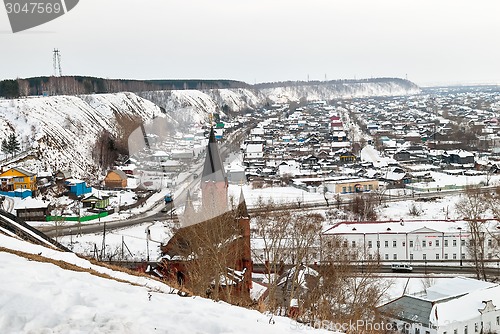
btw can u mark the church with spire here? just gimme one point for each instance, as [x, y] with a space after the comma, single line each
[213, 180]
[216, 228]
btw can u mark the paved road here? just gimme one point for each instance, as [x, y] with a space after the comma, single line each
[147, 217]
[418, 270]
[51, 231]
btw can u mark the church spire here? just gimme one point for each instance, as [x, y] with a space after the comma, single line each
[242, 210]
[213, 169]
[213, 181]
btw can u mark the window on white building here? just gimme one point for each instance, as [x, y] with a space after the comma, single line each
[454, 256]
[369, 244]
[446, 256]
[437, 256]
[424, 257]
[465, 329]
[446, 243]
[353, 243]
[386, 243]
[395, 256]
[386, 256]
[454, 242]
[411, 256]
[424, 243]
[437, 243]
[394, 243]
[404, 244]
[411, 243]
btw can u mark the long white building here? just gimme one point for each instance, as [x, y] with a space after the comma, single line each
[416, 240]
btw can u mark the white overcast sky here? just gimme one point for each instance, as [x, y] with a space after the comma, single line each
[429, 41]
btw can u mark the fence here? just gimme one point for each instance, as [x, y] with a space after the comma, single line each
[23, 194]
[76, 219]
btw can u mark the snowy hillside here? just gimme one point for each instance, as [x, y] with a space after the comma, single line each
[335, 90]
[195, 105]
[57, 292]
[63, 129]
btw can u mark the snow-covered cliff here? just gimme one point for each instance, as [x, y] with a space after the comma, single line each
[338, 89]
[63, 130]
[195, 105]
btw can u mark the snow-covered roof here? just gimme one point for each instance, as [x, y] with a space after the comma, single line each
[74, 181]
[30, 203]
[439, 226]
[254, 148]
[455, 286]
[468, 306]
[460, 153]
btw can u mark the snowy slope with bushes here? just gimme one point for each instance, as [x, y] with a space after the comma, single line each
[195, 105]
[63, 129]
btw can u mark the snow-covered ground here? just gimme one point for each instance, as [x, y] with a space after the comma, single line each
[39, 297]
[280, 195]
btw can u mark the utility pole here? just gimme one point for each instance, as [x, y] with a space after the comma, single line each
[147, 242]
[103, 248]
[460, 245]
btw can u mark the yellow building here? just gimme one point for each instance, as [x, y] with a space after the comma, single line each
[351, 185]
[17, 178]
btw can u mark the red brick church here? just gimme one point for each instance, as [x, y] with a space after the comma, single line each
[217, 235]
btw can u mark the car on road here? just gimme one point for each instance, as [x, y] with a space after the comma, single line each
[401, 267]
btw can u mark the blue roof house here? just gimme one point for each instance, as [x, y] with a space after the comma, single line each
[77, 187]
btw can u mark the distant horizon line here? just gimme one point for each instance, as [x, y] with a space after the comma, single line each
[427, 84]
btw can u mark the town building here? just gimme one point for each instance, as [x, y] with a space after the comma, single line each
[417, 240]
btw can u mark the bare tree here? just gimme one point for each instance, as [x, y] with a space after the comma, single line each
[363, 207]
[58, 215]
[271, 229]
[472, 205]
[348, 290]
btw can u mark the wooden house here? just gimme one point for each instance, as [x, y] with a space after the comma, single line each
[17, 178]
[95, 201]
[116, 179]
[31, 209]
